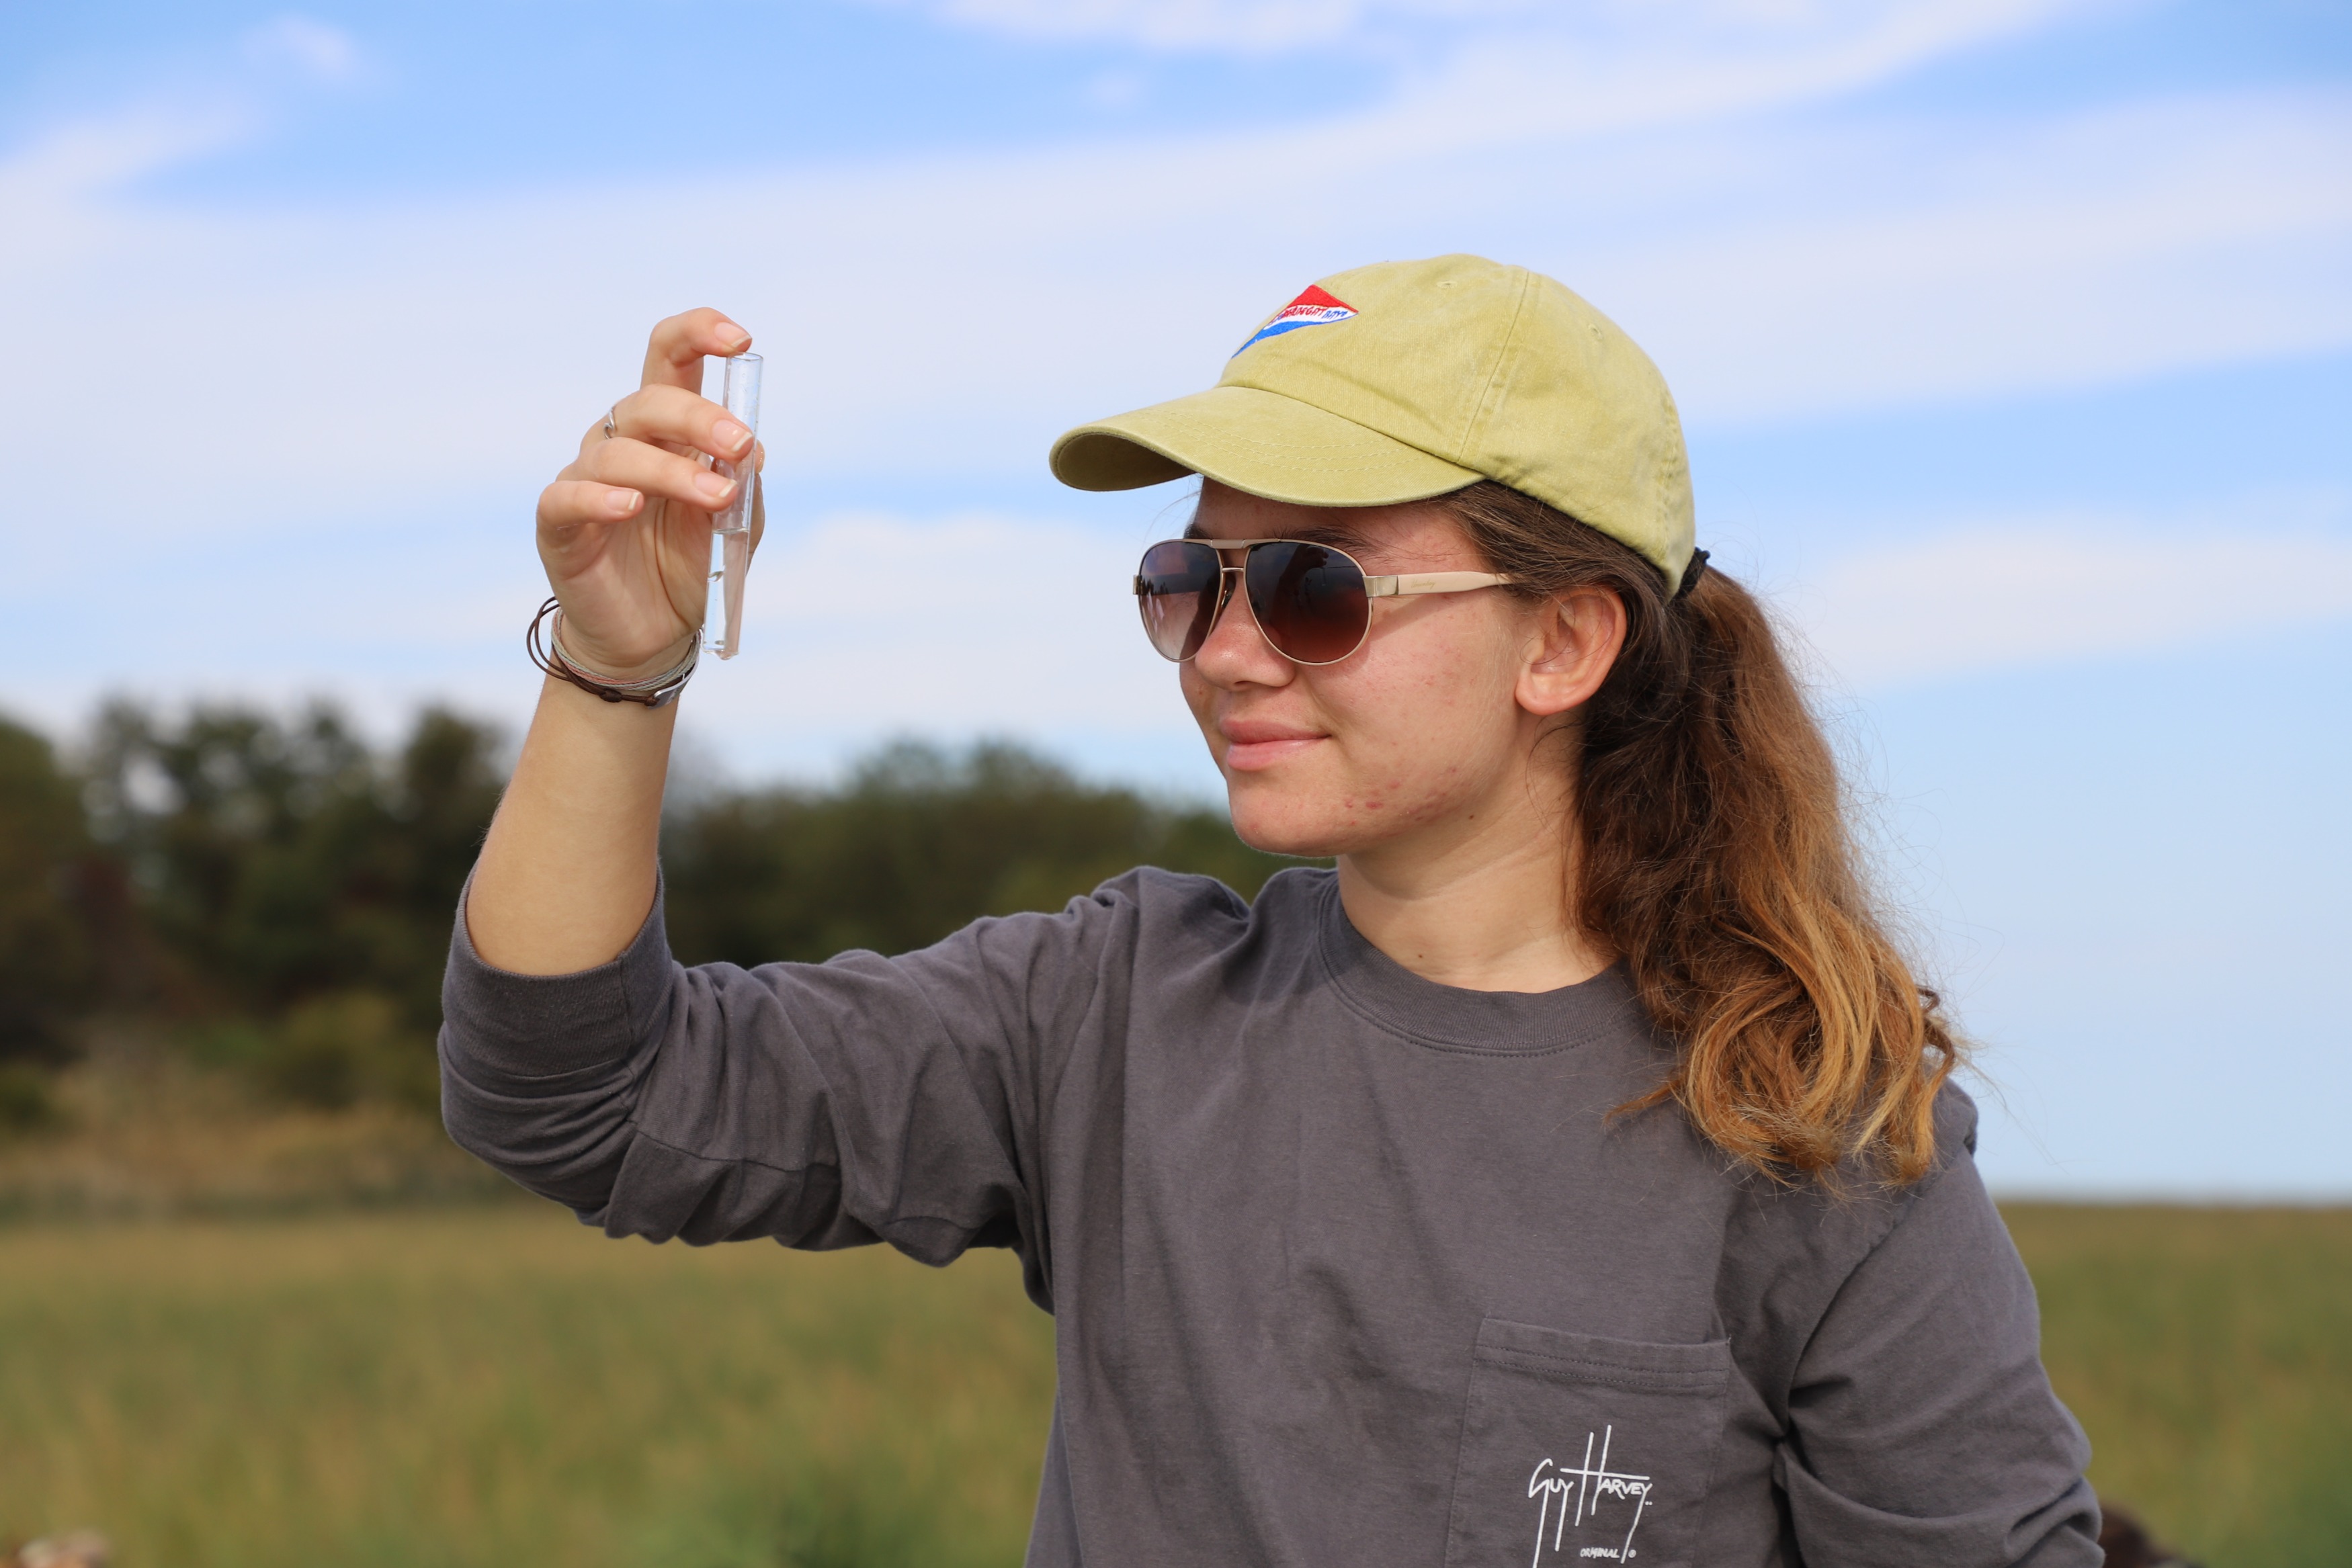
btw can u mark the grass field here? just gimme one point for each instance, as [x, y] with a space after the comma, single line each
[495, 1384]
[2209, 1353]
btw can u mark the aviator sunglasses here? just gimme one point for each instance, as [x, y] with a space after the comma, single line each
[1313, 603]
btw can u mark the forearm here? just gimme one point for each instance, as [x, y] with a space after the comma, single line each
[568, 872]
[567, 875]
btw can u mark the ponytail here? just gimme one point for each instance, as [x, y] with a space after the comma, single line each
[1712, 852]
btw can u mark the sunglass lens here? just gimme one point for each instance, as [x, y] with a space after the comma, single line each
[1177, 587]
[1308, 600]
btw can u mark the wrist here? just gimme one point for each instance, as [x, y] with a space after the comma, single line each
[654, 683]
[596, 667]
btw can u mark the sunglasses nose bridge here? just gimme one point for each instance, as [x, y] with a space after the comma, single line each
[1233, 582]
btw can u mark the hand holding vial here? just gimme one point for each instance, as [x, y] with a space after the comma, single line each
[646, 535]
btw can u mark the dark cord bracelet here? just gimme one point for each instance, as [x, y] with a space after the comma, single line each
[657, 691]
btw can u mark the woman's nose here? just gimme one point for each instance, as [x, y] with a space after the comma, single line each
[1237, 651]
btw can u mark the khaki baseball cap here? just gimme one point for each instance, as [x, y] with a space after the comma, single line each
[1410, 379]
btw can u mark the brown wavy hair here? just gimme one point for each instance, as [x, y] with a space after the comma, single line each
[1712, 849]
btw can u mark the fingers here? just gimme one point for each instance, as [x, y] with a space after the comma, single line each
[674, 356]
[570, 502]
[627, 464]
[673, 417]
[643, 454]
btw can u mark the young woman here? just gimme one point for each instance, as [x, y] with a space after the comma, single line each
[1569, 1176]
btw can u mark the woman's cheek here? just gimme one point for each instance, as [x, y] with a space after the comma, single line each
[1199, 697]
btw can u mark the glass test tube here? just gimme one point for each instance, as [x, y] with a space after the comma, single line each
[731, 528]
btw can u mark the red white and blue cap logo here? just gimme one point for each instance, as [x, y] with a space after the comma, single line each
[1312, 309]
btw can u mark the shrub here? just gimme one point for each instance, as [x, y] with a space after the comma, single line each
[337, 1050]
[27, 1100]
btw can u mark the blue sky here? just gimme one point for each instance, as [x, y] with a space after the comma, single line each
[2013, 336]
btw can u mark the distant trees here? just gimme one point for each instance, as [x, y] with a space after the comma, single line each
[285, 891]
[917, 843]
[48, 959]
[281, 859]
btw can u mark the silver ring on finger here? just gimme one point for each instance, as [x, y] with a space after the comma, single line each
[612, 418]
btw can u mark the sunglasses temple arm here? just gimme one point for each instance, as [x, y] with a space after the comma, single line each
[1397, 587]
[1409, 583]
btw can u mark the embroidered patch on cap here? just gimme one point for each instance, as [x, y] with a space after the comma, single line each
[1312, 309]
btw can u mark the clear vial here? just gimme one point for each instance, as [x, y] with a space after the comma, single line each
[731, 528]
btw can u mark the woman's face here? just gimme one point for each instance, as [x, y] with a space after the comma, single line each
[1426, 732]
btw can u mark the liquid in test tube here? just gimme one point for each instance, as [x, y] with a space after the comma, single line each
[731, 528]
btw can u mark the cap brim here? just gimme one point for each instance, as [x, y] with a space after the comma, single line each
[1259, 442]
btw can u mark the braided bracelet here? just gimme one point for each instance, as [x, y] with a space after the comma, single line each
[653, 691]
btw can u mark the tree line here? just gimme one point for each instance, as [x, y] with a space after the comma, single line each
[276, 893]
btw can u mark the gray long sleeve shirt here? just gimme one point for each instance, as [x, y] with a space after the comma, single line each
[1347, 1267]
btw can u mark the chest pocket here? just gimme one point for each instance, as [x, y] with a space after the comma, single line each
[1577, 1450]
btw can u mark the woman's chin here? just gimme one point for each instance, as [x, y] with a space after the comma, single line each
[1281, 827]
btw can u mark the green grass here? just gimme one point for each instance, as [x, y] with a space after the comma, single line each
[495, 1384]
[2209, 1355]
[501, 1386]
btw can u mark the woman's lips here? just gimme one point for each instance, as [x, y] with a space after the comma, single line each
[1250, 746]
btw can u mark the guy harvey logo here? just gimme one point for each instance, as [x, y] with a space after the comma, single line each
[1587, 1497]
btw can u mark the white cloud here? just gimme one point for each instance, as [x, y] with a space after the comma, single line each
[948, 316]
[53, 189]
[856, 625]
[2126, 241]
[1242, 26]
[967, 623]
[1677, 64]
[862, 623]
[2030, 592]
[1115, 89]
[866, 624]
[336, 375]
[61, 193]
[1598, 30]
[318, 50]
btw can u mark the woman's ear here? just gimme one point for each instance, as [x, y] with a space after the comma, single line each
[1573, 644]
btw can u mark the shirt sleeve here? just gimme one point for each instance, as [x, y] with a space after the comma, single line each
[1922, 1426]
[823, 1105]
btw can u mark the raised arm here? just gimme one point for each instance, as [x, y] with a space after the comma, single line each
[567, 875]
[823, 1105]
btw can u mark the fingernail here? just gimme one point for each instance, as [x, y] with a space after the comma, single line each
[731, 436]
[713, 486]
[621, 503]
[732, 336]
